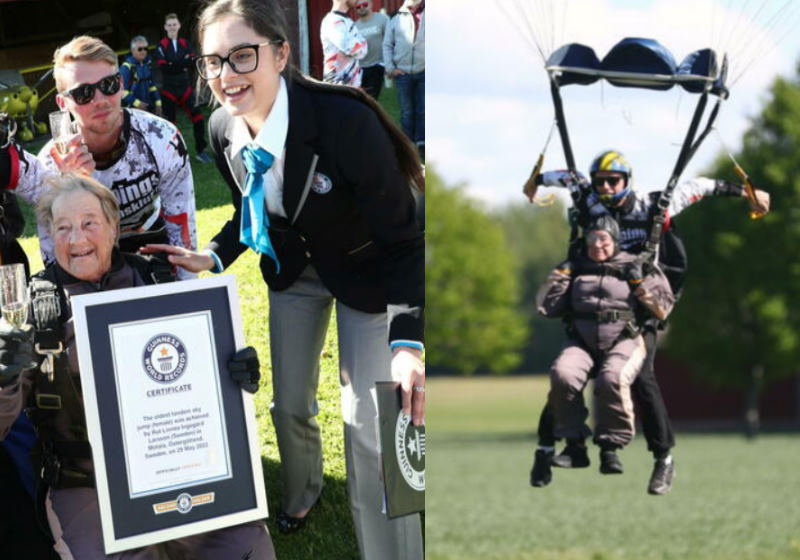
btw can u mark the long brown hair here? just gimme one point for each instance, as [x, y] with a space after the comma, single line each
[266, 18]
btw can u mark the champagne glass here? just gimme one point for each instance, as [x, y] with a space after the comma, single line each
[63, 129]
[14, 298]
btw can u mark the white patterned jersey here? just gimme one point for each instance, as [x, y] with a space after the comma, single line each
[152, 180]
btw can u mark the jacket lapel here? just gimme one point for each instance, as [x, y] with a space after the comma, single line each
[301, 160]
[236, 165]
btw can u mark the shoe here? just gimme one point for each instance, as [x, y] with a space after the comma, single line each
[288, 524]
[574, 456]
[661, 479]
[609, 462]
[203, 157]
[541, 473]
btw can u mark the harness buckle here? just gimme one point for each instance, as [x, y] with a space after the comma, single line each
[48, 353]
[48, 401]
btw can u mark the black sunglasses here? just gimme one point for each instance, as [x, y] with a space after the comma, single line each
[84, 93]
[242, 60]
[140, 49]
[612, 181]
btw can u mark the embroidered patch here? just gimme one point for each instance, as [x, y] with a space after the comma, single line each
[321, 184]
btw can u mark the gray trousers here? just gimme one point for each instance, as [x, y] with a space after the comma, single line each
[616, 371]
[298, 321]
[74, 518]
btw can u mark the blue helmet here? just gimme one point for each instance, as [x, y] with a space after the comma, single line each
[612, 160]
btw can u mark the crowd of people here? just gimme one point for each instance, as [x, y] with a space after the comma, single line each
[116, 209]
[364, 51]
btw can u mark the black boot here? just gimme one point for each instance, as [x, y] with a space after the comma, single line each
[541, 474]
[609, 461]
[574, 455]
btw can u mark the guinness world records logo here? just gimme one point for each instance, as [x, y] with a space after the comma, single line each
[409, 443]
[164, 358]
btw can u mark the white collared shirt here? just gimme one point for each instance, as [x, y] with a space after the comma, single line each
[271, 137]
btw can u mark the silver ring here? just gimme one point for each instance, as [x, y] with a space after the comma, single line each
[419, 388]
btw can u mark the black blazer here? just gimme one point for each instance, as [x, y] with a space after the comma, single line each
[350, 210]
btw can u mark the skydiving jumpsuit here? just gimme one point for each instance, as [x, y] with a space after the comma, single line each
[151, 178]
[602, 311]
[176, 61]
[635, 218]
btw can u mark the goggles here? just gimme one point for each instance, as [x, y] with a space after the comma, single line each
[84, 93]
[600, 181]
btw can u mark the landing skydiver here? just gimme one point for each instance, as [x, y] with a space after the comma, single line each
[609, 191]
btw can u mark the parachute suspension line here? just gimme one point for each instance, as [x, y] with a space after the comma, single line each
[744, 46]
[540, 19]
[756, 55]
[736, 24]
[529, 37]
[745, 178]
[565, 7]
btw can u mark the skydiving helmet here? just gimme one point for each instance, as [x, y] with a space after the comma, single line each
[607, 223]
[611, 160]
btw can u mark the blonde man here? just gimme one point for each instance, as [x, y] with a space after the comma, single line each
[141, 158]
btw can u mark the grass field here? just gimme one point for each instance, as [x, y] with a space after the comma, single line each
[732, 498]
[329, 533]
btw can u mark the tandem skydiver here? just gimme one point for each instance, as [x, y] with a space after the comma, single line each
[609, 191]
[605, 296]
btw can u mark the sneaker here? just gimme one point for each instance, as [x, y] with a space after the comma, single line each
[203, 157]
[661, 479]
[609, 462]
[574, 456]
[541, 474]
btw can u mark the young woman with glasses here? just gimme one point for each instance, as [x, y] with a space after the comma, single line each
[320, 178]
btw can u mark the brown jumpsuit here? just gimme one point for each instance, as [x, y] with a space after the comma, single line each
[598, 305]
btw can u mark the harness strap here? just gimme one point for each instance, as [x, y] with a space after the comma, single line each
[606, 315]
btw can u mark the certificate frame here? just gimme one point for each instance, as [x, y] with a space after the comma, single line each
[135, 510]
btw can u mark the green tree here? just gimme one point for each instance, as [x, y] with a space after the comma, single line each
[471, 285]
[538, 238]
[739, 319]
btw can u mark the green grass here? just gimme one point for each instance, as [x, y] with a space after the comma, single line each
[732, 499]
[329, 533]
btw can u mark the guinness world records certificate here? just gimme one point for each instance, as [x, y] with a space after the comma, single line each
[176, 451]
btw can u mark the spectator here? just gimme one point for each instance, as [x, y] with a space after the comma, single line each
[404, 57]
[175, 57]
[342, 46]
[138, 89]
[372, 26]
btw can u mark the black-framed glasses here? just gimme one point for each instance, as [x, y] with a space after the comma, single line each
[242, 60]
[140, 49]
[612, 181]
[84, 93]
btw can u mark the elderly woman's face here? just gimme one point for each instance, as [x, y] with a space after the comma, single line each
[83, 236]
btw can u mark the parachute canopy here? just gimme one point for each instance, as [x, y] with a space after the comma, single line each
[639, 63]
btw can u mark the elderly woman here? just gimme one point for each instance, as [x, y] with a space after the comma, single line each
[604, 297]
[82, 217]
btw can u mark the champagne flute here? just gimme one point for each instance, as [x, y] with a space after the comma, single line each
[14, 298]
[63, 129]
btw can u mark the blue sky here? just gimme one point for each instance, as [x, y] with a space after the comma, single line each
[488, 108]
